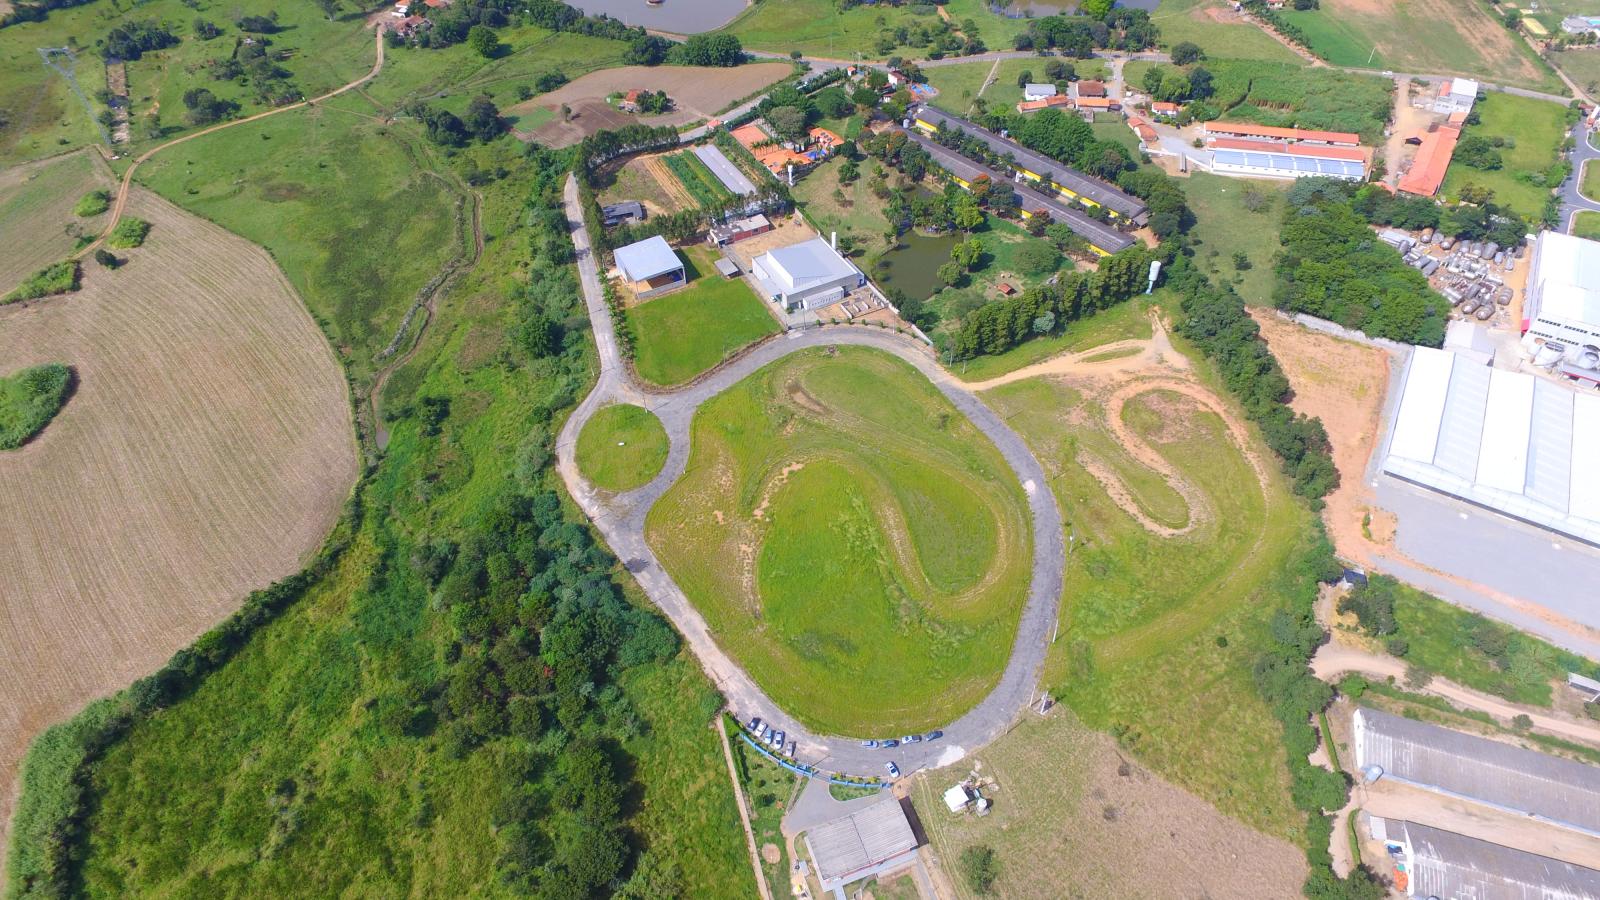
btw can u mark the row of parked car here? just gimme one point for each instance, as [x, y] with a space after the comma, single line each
[908, 739]
[769, 736]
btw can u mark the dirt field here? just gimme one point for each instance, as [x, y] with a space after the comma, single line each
[699, 92]
[1074, 817]
[206, 453]
[36, 201]
[1343, 384]
[646, 179]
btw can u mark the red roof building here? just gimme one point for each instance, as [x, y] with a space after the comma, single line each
[1091, 89]
[1247, 130]
[1432, 161]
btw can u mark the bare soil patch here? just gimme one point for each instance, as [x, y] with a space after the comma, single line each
[699, 92]
[1071, 809]
[206, 453]
[1343, 384]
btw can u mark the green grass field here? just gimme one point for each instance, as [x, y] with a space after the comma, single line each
[770, 788]
[1225, 37]
[1225, 225]
[1537, 128]
[817, 28]
[38, 223]
[681, 334]
[1158, 634]
[958, 85]
[1453, 37]
[1302, 97]
[373, 809]
[344, 204]
[622, 447]
[1582, 66]
[1587, 225]
[865, 561]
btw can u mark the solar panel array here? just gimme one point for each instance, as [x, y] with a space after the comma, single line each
[1283, 162]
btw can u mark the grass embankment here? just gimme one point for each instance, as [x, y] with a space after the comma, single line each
[1219, 32]
[42, 218]
[362, 739]
[348, 207]
[1455, 37]
[1159, 634]
[1533, 131]
[29, 399]
[622, 447]
[1237, 216]
[1125, 321]
[865, 561]
[1463, 646]
[679, 335]
[818, 28]
[1586, 224]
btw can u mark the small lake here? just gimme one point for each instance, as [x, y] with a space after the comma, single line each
[913, 267]
[676, 16]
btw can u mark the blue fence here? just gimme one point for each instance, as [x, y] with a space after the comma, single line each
[808, 771]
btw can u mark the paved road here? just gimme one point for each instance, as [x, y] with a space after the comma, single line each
[1573, 202]
[621, 522]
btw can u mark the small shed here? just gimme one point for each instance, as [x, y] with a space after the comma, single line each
[727, 267]
[1584, 685]
[957, 798]
[626, 211]
[1005, 289]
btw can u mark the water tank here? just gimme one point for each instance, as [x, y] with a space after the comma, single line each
[1453, 295]
[1491, 249]
[1447, 243]
[1500, 258]
[1372, 773]
[1427, 234]
[1588, 359]
[1549, 354]
[1469, 306]
[1485, 311]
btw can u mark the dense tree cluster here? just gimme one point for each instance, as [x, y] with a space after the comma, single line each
[1217, 323]
[708, 50]
[1334, 267]
[131, 40]
[1101, 28]
[1169, 208]
[481, 122]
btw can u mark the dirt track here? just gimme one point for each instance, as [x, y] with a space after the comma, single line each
[206, 453]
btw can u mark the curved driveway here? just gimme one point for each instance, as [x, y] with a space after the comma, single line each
[620, 519]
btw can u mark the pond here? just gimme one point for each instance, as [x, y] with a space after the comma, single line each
[913, 267]
[676, 16]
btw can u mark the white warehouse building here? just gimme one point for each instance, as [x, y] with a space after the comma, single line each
[1511, 442]
[1283, 159]
[808, 275]
[1561, 308]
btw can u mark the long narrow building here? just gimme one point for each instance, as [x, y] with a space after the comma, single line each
[1034, 166]
[1103, 239]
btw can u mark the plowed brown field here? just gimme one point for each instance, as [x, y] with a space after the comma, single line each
[36, 202]
[207, 452]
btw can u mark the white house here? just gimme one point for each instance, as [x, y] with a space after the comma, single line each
[1456, 95]
[808, 275]
[1032, 91]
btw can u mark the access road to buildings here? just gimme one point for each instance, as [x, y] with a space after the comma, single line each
[620, 519]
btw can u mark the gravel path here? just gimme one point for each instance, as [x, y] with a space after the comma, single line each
[620, 519]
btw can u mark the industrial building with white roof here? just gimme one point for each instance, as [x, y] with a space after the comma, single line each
[806, 276]
[1562, 302]
[1546, 788]
[1518, 444]
[1450, 866]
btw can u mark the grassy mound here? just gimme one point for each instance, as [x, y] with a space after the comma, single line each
[865, 558]
[622, 447]
[92, 204]
[29, 399]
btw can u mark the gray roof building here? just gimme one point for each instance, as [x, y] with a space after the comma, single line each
[617, 213]
[731, 176]
[1101, 236]
[1035, 164]
[1524, 782]
[875, 839]
[1037, 91]
[1450, 866]
[807, 275]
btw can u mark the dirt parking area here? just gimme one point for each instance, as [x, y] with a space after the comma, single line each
[1074, 817]
[698, 92]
